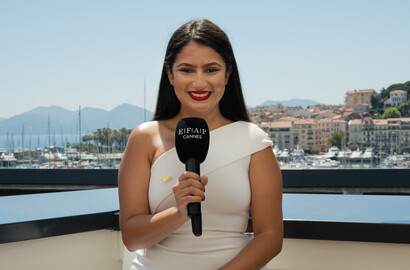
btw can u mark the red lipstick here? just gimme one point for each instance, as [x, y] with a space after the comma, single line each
[199, 95]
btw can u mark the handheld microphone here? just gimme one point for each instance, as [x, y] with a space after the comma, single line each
[192, 143]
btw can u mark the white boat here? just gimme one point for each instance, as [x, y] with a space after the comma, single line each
[332, 153]
[386, 164]
[300, 164]
[284, 155]
[47, 156]
[356, 156]
[326, 163]
[298, 153]
[61, 156]
[89, 157]
[7, 159]
[71, 153]
[368, 155]
[344, 154]
[276, 151]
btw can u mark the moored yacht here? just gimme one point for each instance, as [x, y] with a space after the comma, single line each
[298, 153]
[276, 151]
[284, 155]
[344, 154]
[356, 156]
[7, 159]
[368, 155]
[332, 153]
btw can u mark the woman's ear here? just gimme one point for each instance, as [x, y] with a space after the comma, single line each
[228, 74]
[170, 76]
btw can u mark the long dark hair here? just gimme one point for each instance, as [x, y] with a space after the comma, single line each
[232, 104]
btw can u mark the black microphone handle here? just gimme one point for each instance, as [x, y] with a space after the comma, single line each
[194, 209]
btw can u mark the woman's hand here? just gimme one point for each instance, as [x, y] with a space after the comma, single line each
[189, 188]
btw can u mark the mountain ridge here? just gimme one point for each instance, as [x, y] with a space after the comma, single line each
[291, 102]
[36, 120]
[125, 115]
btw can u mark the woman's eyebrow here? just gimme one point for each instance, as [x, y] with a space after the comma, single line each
[212, 64]
[185, 64]
[206, 65]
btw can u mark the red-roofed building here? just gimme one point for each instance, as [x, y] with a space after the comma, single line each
[356, 97]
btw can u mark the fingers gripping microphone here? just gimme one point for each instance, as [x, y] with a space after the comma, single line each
[191, 143]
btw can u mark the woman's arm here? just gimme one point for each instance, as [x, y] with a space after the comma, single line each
[266, 208]
[139, 228]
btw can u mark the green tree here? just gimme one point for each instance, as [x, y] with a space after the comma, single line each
[376, 113]
[376, 100]
[336, 138]
[99, 137]
[87, 138]
[107, 137]
[404, 108]
[115, 138]
[391, 112]
[124, 134]
[354, 146]
[384, 93]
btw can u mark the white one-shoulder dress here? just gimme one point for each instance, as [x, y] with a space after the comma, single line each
[225, 211]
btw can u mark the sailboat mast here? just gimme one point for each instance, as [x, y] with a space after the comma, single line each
[145, 98]
[79, 129]
[8, 142]
[22, 142]
[62, 139]
[49, 131]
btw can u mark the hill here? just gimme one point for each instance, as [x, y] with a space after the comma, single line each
[291, 102]
[36, 121]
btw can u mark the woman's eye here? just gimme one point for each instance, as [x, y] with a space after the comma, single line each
[186, 70]
[212, 70]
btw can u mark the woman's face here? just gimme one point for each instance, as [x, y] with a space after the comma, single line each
[199, 77]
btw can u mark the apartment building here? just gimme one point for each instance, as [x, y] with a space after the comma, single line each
[306, 133]
[356, 97]
[384, 135]
[355, 131]
[327, 127]
[397, 97]
[280, 133]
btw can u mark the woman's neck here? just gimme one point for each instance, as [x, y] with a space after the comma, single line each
[214, 120]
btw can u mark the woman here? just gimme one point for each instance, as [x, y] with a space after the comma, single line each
[200, 79]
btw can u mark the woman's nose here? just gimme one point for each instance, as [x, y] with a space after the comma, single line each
[199, 82]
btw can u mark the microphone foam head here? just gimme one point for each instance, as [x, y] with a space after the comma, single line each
[192, 139]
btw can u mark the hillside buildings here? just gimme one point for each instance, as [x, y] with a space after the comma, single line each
[397, 97]
[384, 135]
[357, 97]
[311, 128]
[327, 127]
[312, 135]
[306, 134]
[281, 133]
[287, 133]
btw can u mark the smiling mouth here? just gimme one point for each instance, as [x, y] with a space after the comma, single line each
[199, 95]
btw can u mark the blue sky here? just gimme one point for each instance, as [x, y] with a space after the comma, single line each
[98, 53]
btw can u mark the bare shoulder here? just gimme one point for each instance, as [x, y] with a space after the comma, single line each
[142, 140]
[145, 131]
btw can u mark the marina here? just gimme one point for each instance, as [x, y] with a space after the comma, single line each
[59, 158]
[340, 159]
[109, 158]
